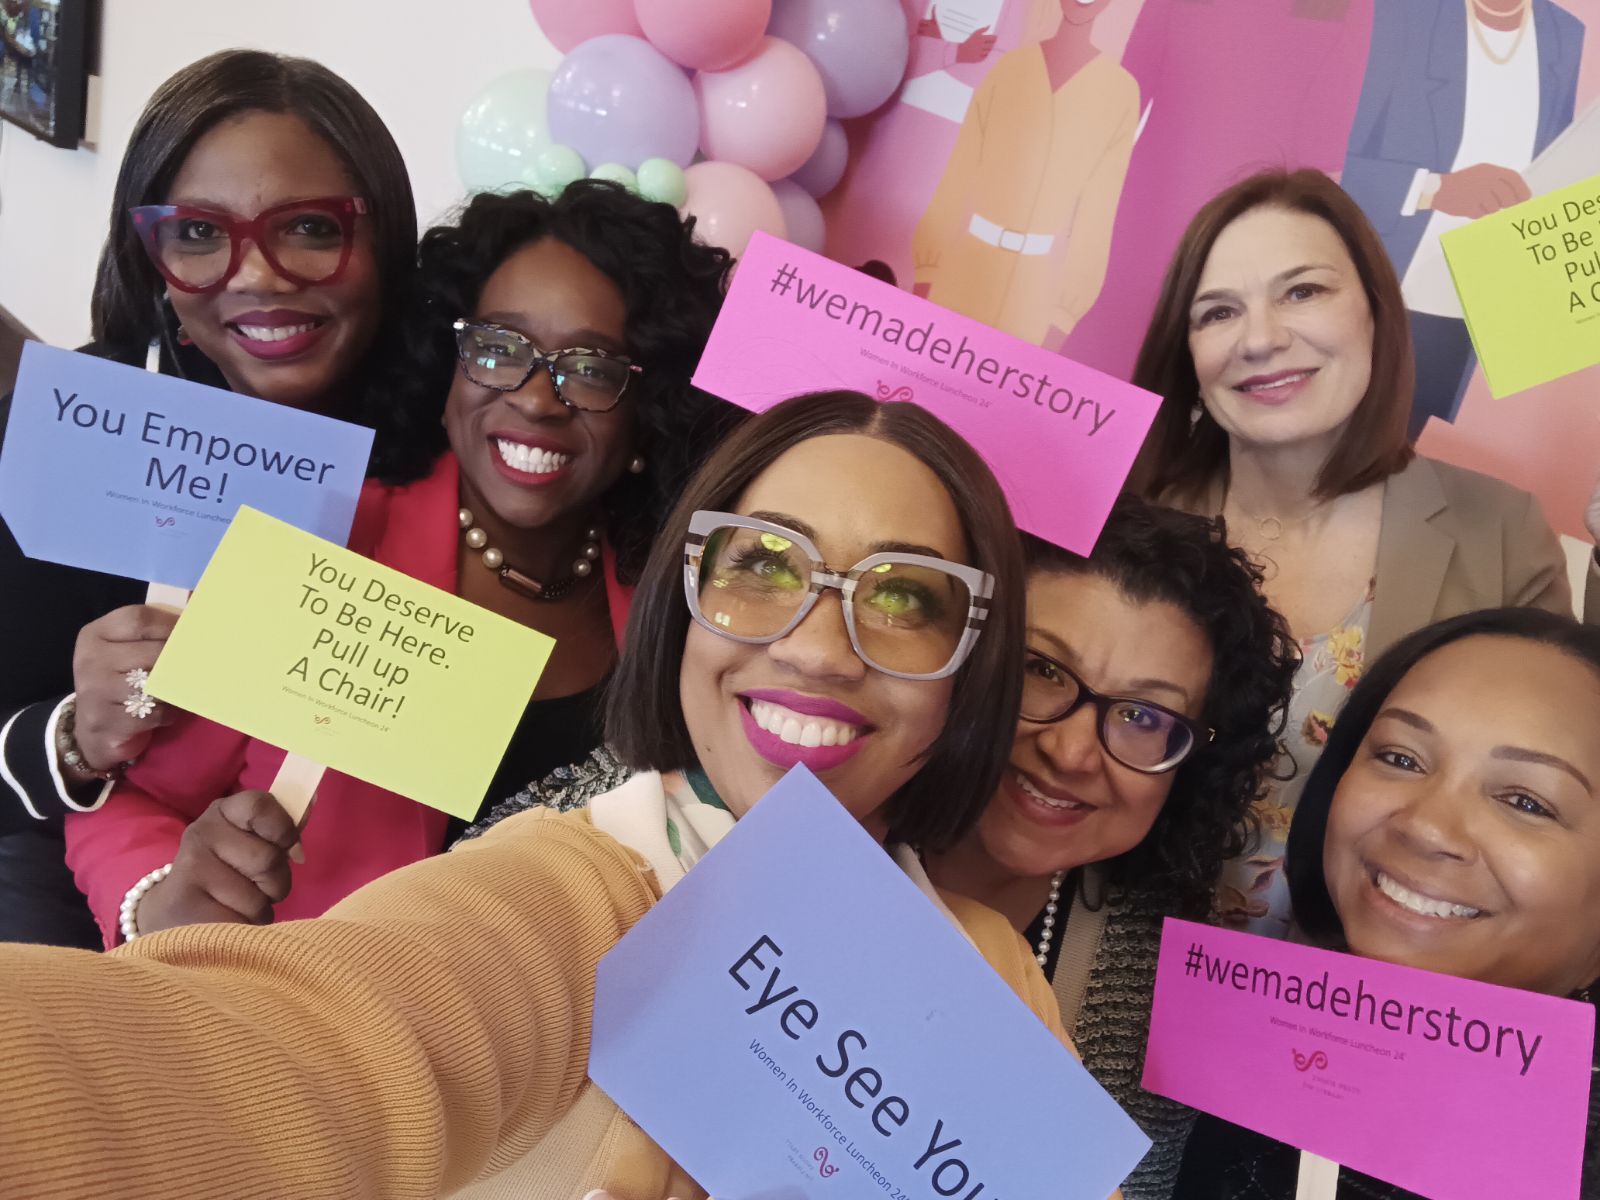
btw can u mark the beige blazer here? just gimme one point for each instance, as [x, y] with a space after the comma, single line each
[1454, 541]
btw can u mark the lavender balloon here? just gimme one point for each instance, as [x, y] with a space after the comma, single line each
[860, 47]
[617, 99]
[823, 170]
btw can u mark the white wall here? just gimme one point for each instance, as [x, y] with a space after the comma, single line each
[419, 64]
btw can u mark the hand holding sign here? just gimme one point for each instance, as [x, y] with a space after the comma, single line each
[232, 866]
[124, 640]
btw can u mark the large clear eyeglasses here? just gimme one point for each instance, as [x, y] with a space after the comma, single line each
[493, 356]
[912, 616]
[1142, 736]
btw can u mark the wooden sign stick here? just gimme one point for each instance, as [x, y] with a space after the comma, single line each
[164, 595]
[295, 785]
[1319, 1178]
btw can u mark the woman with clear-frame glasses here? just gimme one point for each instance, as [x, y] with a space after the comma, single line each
[458, 992]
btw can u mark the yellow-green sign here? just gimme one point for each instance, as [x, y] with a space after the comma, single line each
[313, 648]
[1529, 281]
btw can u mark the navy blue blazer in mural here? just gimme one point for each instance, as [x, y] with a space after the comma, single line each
[1414, 98]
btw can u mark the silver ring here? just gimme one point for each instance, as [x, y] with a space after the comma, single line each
[140, 703]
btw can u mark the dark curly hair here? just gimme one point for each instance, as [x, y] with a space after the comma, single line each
[1159, 554]
[673, 287]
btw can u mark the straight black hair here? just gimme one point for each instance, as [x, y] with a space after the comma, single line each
[959, 773]
[127, 309]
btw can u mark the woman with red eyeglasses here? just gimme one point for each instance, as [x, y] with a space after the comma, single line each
[537, 425]
[262, 238]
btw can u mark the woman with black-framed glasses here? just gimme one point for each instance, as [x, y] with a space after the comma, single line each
[1152, 682]
[262, 238]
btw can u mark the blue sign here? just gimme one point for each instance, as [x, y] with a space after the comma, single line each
[137, 474]
[796, 1020]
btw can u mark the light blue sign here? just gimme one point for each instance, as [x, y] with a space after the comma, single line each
[795, 1020]
[136, 474]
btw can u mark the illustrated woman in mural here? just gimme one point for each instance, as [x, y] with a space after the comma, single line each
[1019, 229]
[1226, 88]
[1458, 101]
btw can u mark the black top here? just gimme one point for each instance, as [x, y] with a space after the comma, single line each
[551, 734]
[42, 607]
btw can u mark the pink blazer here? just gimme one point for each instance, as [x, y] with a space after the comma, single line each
[356, 831]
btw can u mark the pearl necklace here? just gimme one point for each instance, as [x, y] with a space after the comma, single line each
[519, 581]
[1045, 938]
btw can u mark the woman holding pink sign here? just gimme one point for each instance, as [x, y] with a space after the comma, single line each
[539, 421]
[841, 585]
[1281, 348]
[1452, 824]
[262, 238]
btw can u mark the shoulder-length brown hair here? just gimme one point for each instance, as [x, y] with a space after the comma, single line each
[960, 771]
[1183, 455]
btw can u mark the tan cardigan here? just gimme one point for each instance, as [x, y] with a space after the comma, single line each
[431, 1030]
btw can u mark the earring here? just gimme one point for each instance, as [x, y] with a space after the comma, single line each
[636, 464]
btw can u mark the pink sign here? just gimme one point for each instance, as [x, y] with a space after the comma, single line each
[1450, 1088]
[1061, 437]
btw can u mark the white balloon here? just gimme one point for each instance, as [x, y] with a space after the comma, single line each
[503, 130]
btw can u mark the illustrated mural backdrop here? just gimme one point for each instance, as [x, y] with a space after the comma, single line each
[1037, 168]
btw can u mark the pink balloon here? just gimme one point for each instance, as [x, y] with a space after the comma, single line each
[801, 215]
[704, 35]
[568, 22]
[765, 113]
[729, 204]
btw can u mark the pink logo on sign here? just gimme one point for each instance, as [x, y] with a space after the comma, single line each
[888, 392]
[1493, 1081]
[823, 1169]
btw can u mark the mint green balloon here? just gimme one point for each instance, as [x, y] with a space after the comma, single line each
[662, 180]
[616, 173]
[553, 168]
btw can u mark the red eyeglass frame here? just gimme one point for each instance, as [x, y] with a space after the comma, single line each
[147, 219]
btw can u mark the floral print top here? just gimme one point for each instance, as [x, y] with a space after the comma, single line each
[1253, 894]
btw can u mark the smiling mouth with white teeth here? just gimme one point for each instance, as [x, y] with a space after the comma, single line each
[799, 729]
[275, 333]
[1423, 906]
[530, 459]
[1034, 793]
[1274, 384]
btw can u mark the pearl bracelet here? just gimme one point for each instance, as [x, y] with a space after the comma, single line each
[129, 914]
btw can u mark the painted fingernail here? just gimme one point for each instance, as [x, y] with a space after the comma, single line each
[296, 854]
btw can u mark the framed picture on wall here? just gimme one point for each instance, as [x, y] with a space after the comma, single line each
[42, 67]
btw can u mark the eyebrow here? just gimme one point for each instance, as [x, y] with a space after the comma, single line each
[1518, 754]
[1505, 753]
[591, 338]
[882, 547]
[1061, 650]
[1283, 277]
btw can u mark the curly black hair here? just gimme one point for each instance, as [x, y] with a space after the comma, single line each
[673, 287]
[1159, 554]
